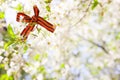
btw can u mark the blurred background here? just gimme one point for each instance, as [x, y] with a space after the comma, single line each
[84, 46]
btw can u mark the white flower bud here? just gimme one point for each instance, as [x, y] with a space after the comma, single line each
[1, 59]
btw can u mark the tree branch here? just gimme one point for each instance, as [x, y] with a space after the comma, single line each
[96, 44]
[87, 9]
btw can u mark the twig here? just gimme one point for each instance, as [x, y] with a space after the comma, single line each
[96, 44]
[87, 9]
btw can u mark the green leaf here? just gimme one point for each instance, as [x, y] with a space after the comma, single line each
[48, 8]
[62, 65]
[95, 3]
[36, 57]
[46, 17]
[99, 54]
[93, 69]
[1, 66]
[25, 48]
[41, 69]
[2, 15]
[38, 29]
[10, 32]
[118, 36]
[6, 77]
[47, 1]
[7, 44]
[19, 7]
[112, 46]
